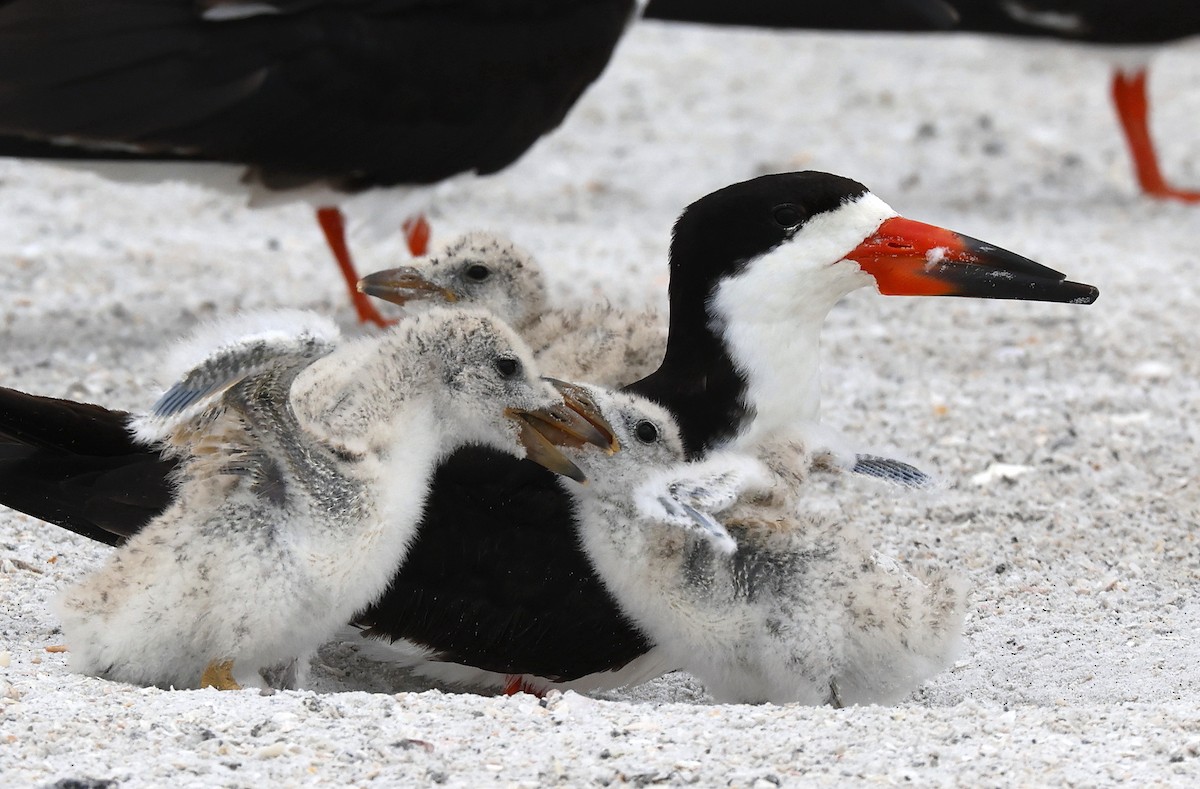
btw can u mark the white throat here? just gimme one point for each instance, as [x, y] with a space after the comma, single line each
[771, 315]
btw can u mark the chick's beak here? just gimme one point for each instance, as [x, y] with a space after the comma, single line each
[401, 285]
[582, 404]
[568, 424]
[909, 258]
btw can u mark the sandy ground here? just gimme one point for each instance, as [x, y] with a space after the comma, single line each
[1081, 665]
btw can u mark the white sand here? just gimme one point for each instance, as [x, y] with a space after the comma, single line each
[1081, 665]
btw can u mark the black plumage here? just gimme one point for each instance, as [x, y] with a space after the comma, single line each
[881, 15]
[356, 93]
[1093, 21]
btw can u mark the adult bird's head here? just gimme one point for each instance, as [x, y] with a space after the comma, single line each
[804, 239]
[756, 267]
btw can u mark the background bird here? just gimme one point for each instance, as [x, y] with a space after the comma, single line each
[303, 469]
[1125, 32]
[784, 607]
[310, 99]
[1128, 33]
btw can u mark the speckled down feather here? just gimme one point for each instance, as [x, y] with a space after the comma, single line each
[301, 483]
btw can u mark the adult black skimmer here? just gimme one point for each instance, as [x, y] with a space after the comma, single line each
[317, 95]
[495, 578]
[303, 468]
[759, 601]
[1127, 28]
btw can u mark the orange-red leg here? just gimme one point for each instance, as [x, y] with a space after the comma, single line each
[515, 683]
[416, 233]
[333, 225]
[1133, 109]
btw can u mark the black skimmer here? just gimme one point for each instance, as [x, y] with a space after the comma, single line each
[1125, 28]
[495, 579]
[314, 96]
[596, 342]
[303, 467]
[759, 601]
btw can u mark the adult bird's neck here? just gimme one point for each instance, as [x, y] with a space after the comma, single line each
[699, 383]
[772, 390]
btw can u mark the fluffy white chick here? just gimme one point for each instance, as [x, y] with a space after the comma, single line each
[715, 561]
[600, 342]
[305, 466]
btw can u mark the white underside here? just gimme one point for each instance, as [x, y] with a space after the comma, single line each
[375, 212]
[646, 667]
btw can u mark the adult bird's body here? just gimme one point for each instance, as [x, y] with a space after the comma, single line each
[495, 579]
[303, 469]
[322, 96]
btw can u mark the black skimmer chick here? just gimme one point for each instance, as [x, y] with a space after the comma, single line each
[758, 601]
[495, 579]
[596, 342]
[308, 97]
[1125, 29]
[303, 466]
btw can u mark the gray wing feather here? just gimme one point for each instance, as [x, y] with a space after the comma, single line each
[891, 470]
[230, 365]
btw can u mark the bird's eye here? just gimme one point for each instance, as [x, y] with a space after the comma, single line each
[507, 366]
[646, 432]
[478, 272]
[787, 216]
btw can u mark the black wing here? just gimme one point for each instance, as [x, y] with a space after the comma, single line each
[359, 93]
[496, 578]
[1097, 21]
[886, 15]
[76, 466]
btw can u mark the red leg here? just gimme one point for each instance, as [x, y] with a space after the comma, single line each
[334, 227]
[1133, 109]
[515, 683]
[416, 233]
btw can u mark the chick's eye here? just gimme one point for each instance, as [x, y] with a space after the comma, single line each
[507, 367]
[646, 432]
[477, 272]
[787, 216]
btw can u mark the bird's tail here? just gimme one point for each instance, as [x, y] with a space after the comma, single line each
[77, 466]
